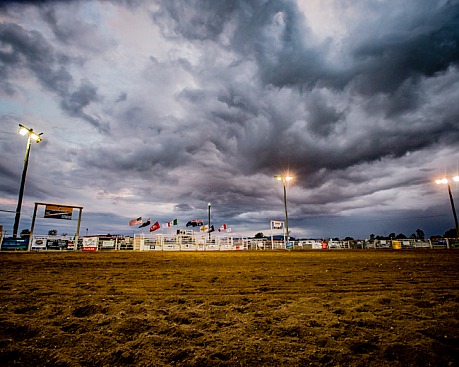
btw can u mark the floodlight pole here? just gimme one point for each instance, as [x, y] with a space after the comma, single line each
[284, 180]
[31, 135]
[208, 214]
[286, 213]
[454, 210]
[21, 189]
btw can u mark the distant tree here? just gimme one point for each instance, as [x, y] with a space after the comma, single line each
[450, 233]
[336, 239]
[420, 234]
[400, 236]
[25, 233]
[392, 235]
[259, 235]
[372, 237]
[348, 239]
[52, 232]
[413, 236]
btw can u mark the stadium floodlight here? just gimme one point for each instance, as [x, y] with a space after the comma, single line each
[445, 181]
[285, 179]
[32, 136]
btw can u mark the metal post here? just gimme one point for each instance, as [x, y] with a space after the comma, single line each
[454, 210]
[286, 213]
[21, 190]
[208, 228]
[32, 227]
[77, 234]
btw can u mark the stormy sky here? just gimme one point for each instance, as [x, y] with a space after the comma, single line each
[155, 108]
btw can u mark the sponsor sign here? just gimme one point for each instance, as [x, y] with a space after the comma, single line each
[57, 243]
[90, 243]
[15, 243]
[58, 212]
[277, 224]
[39, 242]
[108, 243]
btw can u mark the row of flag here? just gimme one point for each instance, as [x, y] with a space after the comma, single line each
[192, 223]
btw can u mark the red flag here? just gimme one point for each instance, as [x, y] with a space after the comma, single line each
[155, 226]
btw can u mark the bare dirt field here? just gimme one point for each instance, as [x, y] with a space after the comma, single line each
[251, 308]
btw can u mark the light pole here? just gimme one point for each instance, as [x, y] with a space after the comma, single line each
[208, 213]
[284, 180]
[445, 181]
[32, 136]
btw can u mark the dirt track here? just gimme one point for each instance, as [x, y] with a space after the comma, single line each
[319, 308]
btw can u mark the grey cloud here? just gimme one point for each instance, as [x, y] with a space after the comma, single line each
[75, 102]
[196, 20]
[322, 117]
[29, 49]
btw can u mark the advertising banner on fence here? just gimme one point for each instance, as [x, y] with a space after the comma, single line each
[58, 212]
[90, 243]
[15, 243]
[57, 243]
[39, 243]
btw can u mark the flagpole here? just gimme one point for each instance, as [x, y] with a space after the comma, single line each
[208, 229]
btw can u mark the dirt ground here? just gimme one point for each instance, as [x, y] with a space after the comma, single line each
[251, 308]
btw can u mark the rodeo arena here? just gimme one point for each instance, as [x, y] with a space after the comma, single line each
[205, 238]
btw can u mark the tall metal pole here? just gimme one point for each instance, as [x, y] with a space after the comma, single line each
[21, 190]
[286, 213]
[454, 210]
[208, 227]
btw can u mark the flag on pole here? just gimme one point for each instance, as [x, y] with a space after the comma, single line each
[207, 229]
[170, 224]
[222, 228]
[147, 223]
[155, 226]
[134, 222]
[195, 223]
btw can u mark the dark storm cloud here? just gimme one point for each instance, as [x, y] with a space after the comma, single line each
[274, 33]
[29, 50]
[196, 20]
[423, 48]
